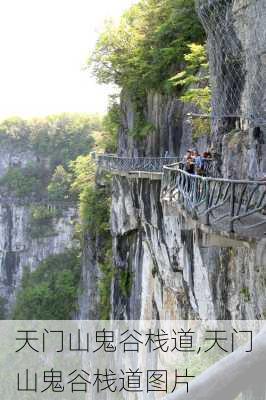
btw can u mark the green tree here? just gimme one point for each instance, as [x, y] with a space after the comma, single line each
[111, 124]
[64, 137]
[14, 130]
[55, 141]
[83, 170]
[140, 52]
[94, 202]
[23, 182]
[51, 291]
[195, 78]
[59, 186]
[94, 209]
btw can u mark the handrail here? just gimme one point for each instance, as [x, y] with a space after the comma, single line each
[115, 163]
[210, 178]
[230, 204]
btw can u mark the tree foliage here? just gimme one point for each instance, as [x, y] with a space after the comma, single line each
[94, 210]
[94, 201]
[62, 137]
[195, 78]
[51, 291]
[111, 124]
[141, 51]
[83, 170]
[41, 220]
[54, 142]
[59, 186]
[22, 182]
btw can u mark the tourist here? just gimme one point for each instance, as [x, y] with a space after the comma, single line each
[198, 160]
[207, 157]
[193, 162]
[207, 154]
[190, 165]
[187, 156]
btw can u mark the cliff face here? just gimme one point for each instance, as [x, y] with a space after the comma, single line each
[178, 268]
[19, 250]
[167, 265]
[89, 301]
[171, 128]
[236, 44]
[20, 246]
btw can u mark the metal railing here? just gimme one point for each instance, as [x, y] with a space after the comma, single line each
[234, 205]
[231, 205]
[111, 162]
[209, 167]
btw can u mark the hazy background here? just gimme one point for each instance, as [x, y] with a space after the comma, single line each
[43, 45]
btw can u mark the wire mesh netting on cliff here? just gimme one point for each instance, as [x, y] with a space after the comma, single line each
[236, 32]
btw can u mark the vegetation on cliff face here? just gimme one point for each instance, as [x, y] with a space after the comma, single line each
[63, 137]
[57, 168]
[94, 210]
[105, 283]
[24, 181]
[59, 185]
[150, 40]
[41, 220]
[94, 201]
[50, 292]
[111, 125]
[54, 142]
[194, 80]
[141, 54]
[144, 51]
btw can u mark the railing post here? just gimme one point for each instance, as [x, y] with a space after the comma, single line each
[195, 191]
[207, 201]
[232, 206]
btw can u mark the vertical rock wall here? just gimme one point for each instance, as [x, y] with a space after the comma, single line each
[178, 269]
[171, 129]
[237, 48]
[18, 247]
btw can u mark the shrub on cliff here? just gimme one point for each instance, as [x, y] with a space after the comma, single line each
[94, 209]
[149, 41]
[111, 124]
[50, 292]
[94, 201]
[22, 182]
[41, 220]
[59, 186]
[195, 78]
